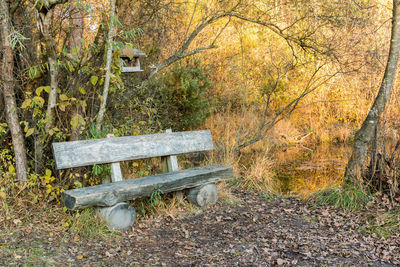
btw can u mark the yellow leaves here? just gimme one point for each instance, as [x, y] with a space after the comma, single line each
[47, 179]
[41, 88]
[3, 195]
[26, 103]
[11, 169]
[78, 184]
[49, 188]
[93, 80]
[38, 100]
[29, 132]
[62, 107]
[53, 131]
[82, 90]
[79, 257]
[77, 121]
[36, 112]
[63, 97]
[3, 127]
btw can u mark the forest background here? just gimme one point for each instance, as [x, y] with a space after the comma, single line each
[264, 76]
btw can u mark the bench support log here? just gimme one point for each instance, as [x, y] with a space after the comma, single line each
[120, 216]
[203, 195]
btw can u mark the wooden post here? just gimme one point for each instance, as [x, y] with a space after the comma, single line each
[122, 215]
[116, 174]
[170, 164]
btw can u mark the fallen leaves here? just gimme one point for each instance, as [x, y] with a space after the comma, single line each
[15, 255]
[258, 232]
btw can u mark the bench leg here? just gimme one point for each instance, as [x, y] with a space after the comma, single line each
[203, 195]
[120, 216]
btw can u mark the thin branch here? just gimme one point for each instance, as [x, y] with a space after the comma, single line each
[197, 50]
[191, 20]
[220, 32]
[299, 41]
[244, 93]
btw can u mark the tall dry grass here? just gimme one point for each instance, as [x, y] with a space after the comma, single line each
[253, 167]
[257, 166]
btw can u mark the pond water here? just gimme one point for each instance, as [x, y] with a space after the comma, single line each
[303, 170]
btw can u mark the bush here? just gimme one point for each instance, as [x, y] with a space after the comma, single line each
[182, 96]
[177, 97]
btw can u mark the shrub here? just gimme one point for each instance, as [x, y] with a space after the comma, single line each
[179, 96]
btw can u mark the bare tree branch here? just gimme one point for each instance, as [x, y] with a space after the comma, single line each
[181, 52]
[191, 20]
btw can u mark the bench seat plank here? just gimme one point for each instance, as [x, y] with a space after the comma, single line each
[113, 193]
[117, 149]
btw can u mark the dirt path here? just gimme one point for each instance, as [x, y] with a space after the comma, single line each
[255, 232]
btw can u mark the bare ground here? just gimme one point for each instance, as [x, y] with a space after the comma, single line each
[256, 231]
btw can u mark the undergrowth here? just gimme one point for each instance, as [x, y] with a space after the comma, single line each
[347, 197]
[383, 225]
[86, 224]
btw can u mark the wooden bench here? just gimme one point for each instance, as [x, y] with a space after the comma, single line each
[120, 215]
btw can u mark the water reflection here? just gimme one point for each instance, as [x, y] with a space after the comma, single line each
[303, 170]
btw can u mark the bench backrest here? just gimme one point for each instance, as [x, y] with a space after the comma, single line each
[117, 149]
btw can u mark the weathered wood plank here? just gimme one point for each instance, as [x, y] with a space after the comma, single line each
[112, 193]
[108, 150]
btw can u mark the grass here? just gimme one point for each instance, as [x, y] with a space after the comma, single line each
[384, 224]
[32, 256]
[354, 198]
[86, 224]
[347, 197]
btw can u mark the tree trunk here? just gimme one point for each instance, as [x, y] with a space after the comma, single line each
[46, 18]
[75, 48]
[102, 110]
[365, 135]
[77, 25]
[9, 95]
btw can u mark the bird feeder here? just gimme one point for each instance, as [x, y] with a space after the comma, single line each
[130, 59]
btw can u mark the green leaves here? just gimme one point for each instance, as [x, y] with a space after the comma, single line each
[17, 40]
